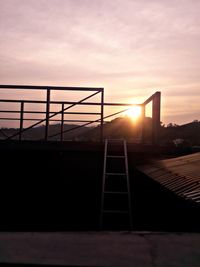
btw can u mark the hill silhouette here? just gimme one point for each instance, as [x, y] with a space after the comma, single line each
[38, 133]
[121, 127]
[189, 132]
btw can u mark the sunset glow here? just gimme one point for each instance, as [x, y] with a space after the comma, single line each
[131, 48]
[134, 113]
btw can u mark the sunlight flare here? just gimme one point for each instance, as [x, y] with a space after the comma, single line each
[134, 113]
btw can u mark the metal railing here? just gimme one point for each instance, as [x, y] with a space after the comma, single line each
[49, 115]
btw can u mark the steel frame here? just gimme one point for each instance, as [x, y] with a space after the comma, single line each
[155, 99]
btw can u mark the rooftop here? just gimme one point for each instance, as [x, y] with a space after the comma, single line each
[122, 249]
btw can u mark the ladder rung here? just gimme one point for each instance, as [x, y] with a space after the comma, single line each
[117, 173]
[120, 157]
[116, 192]
[116, 211]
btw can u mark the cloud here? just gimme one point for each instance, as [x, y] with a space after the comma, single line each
[140, 46]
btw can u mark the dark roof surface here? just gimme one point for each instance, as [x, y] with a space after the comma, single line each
[180, 175]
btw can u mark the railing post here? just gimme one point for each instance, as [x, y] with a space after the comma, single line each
[102, 114]
[47, 114]
[21, 120]
[142, 124]
[156, 118]
[62, 122]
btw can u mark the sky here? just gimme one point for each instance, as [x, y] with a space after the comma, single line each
[132, 48]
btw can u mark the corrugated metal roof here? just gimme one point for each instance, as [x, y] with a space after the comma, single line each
[180, 175]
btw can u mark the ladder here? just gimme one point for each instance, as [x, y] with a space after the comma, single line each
[116, 168]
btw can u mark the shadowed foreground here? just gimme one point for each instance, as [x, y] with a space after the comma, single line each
[101, 249]
[58, 188]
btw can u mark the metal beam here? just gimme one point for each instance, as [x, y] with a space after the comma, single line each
[150, 98]
[21, 120]
[32, 87]
[102, 114]
[72, 103]
[62, 122]
[47, 114]
[156, 118]
[143, 124]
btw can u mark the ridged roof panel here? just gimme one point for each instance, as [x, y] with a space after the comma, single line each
[180, 175]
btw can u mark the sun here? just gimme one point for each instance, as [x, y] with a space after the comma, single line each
[134, 113]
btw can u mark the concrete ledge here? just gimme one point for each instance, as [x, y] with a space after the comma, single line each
[101, 249]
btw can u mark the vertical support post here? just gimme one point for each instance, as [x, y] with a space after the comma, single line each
[62, 122]
[21, 120]
[142, 124]
[47, 114]
[102, 114]
[156, 118]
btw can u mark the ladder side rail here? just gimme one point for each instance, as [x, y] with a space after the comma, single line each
[128, 185]
[103, 183]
